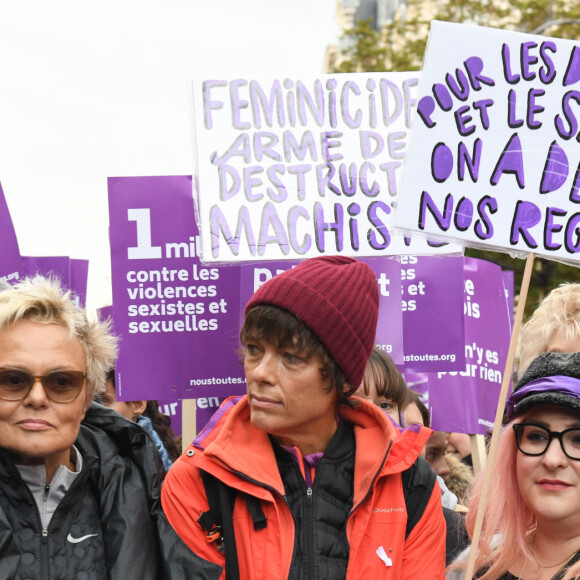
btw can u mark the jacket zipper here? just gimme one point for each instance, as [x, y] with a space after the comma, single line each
[45, 564]
[45, 500]
[44, 554]
[310, 532]
[44, 539]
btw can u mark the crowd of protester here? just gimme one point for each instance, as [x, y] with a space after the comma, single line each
[327, 468]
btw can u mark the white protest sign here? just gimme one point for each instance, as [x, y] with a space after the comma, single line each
[295, 168]
[493, 158]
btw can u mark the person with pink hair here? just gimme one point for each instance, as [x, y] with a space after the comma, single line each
[531, 527]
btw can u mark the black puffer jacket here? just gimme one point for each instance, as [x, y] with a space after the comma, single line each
[109, 525]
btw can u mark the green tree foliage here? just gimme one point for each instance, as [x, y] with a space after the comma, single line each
[482, 13]
[366, 50]
[400, 47]
[558, 18]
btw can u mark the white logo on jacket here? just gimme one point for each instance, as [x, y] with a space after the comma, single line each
[82, 538]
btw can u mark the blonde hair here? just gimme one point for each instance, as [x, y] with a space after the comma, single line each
[43, 300]
[557, 313]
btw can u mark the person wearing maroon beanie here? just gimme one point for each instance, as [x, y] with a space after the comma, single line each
[298, 479]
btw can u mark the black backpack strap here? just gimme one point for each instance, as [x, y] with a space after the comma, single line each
[218, 521]
[418, 483]
[255, 508]
[211, 518]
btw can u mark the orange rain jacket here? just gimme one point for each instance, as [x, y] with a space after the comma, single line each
[242, 456]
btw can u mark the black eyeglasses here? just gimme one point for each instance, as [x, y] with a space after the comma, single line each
[533, 439]
[59, 386]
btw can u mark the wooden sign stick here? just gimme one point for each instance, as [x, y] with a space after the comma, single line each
[478, 453]
[499, 416]
[188, 423]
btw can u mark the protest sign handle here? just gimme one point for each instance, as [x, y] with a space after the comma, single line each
[499, 416]
[188, 432]
[478, 454]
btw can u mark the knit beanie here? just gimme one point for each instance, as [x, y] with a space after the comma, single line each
[337, 298]
[553, 378]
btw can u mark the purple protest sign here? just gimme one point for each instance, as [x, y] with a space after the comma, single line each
[178, 320]
[418, 382]
[10, 266]
[509, 287]
[79, 274]
[466, 401]
[49, 266]
[173, 410]
[254, 275]
[204, 410]
[433, 313]
[389, 337]
[105, 312]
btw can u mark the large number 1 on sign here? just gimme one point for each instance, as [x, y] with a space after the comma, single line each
[143, 250]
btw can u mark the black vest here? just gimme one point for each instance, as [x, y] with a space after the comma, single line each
[320, 513]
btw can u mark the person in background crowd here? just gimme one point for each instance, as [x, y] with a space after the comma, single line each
[554, 325]
[458, 480]
[456, 539]
[383, 385]
[316, 474]
[161, 424]
[144, 413]
[435, 453]
[415, 411]
[460, 462]
[459, 445]
[456, 477]
[531, 525]
[79, 490]
[129, 409]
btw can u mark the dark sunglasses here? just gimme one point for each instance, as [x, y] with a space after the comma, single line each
[533, 439]
[59, 386]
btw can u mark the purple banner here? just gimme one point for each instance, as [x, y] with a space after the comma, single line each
[79, 275]
[173, 410]
[204, 409]
[53, 266]
[466, 401]
[178, 320]
[433, 334]
[509, 287]
[72, 273]
[389, 336]
[106, 312]
[10, 266]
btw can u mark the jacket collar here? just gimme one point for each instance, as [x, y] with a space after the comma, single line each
[231, 443]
